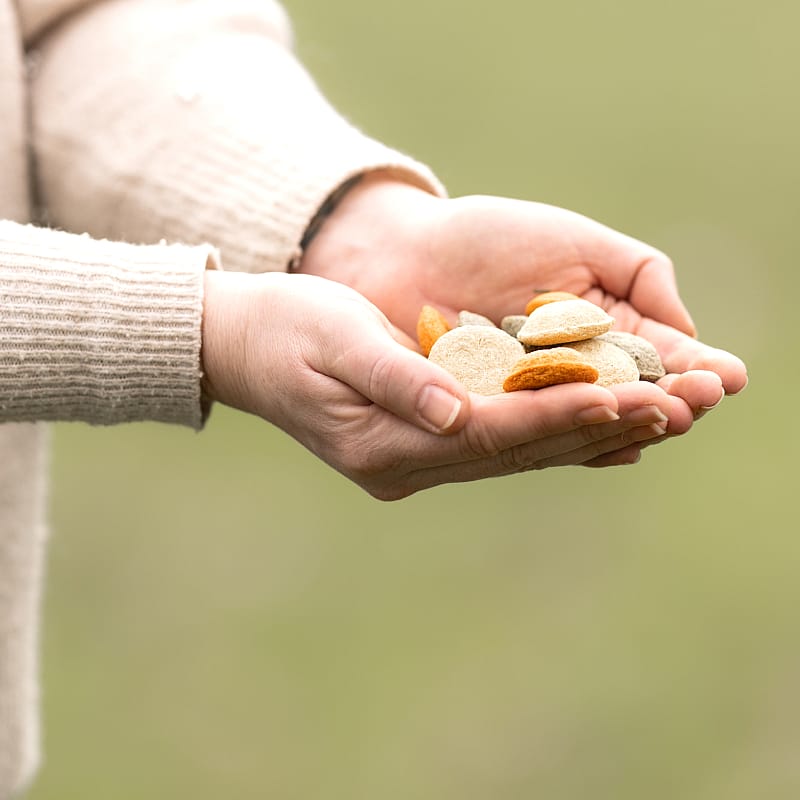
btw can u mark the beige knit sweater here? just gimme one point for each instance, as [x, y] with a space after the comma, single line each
[186, 122]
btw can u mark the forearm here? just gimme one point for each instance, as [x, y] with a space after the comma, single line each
[193, 122]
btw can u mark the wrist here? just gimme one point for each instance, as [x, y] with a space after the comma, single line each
[378, 215]
[223, 345]
[325, 212]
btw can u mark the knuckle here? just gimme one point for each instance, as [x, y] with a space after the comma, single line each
[478, 441]
[364, 462]
[660, 261]
[518, 459]
[604, 446]
[591, 434]
[382, 375]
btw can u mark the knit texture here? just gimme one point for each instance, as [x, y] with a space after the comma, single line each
[148, 120]
[98, 331]
[209, 130]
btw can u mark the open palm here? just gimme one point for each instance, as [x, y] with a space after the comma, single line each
[402, 248]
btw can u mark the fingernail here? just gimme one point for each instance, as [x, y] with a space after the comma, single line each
[643, 433]
[438, 408]
[646, 415]
[708, 408]
[658, 428]
[594, 415]
[703, 410]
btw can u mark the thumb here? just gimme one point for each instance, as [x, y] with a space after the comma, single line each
[400, 380]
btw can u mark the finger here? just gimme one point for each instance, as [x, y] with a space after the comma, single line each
[506, 435]
[394, 453]
[681, 353]
[700, 390]
[505, 421]
[625, 456]
[495, 443]
[533, 456]
[368, 358]
[691, 396]
[636, 437]
[543, 413]
[632, 395]
[637, 394]
[633, 270]
[647, 415]
[550, 421]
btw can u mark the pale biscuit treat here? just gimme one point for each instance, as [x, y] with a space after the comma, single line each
[549, 367]
[543, 298]
[431, 324]
[471, 318]
[613, 364]
[564, 321]
[512, 323]
[643, 353]
[478, 356]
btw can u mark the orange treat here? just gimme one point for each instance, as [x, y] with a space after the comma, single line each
[430, 326]
[547, 297]
[547, 367]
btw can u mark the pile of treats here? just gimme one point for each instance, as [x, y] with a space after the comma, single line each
[559, 339]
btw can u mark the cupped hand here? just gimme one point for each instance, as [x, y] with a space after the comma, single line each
[403, 248]
[315, 358]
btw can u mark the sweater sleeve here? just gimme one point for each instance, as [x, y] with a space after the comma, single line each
[192, 120]
[99, 331]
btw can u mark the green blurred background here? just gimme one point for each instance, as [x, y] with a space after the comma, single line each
[227, 617]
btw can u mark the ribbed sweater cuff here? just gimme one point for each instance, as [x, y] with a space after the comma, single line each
[98, 331]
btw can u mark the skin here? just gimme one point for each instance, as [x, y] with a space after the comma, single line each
[329, 355]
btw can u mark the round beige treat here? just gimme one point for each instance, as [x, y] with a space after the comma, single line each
[612, 362]
[471, 318]
[478, 356]
[643, 353]
[513, 323]
[565, 321]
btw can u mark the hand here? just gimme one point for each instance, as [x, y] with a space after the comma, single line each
[318, 360]
[403, 248]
